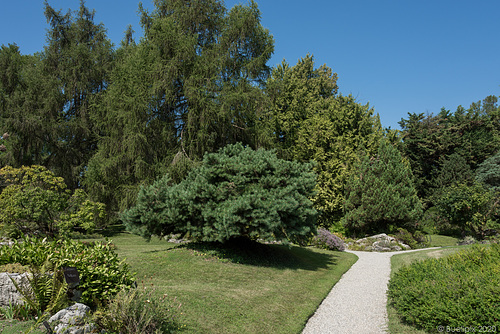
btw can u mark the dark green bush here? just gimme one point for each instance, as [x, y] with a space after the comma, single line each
[380, 194]
[236, 192]
[102, 274]
[459, 290]
[414, 240]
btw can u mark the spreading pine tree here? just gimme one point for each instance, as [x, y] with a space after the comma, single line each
[236, 192]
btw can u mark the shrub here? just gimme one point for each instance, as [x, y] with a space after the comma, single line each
[137, 311]
[415, 240]
[473, 209]
[35, 201]
[461, 289]
[327, 240]
[236, 192]
[102, 274]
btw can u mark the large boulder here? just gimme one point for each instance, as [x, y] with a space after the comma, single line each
[71, 320]
[8, 292]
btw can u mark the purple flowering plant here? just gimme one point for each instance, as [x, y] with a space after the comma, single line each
[327, 240]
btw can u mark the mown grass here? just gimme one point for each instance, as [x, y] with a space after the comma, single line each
[249, 289]
[16, 327]
[275, 291]
[396, 325]
[442, 240]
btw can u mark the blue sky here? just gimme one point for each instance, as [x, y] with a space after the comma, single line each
[398, 55]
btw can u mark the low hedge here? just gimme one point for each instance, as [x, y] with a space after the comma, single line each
[460, 290]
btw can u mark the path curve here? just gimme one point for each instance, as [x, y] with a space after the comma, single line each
[358, 302]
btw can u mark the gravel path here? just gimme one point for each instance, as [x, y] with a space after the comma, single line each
[357, 303]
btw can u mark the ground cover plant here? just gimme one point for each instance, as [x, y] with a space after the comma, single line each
[220, 295]
[459, 289]
[395, 324]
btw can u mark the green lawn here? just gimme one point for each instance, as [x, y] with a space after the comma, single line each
[218, 296]
[16, 327]
[276, 292]
[442, 240]
[399, 260]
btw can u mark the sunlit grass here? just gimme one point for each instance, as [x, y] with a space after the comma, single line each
[221, 296]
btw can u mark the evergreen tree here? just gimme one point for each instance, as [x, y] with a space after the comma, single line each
[380, 194]
[192, 85]
[236, 192]
[427, 140]
[46, 98]
[308, 120]
[488, 173]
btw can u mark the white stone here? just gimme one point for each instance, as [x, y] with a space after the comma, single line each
[8, 292]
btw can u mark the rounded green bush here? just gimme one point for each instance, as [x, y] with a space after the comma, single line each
[462, 289]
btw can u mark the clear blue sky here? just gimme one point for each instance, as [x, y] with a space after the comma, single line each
[400, 55]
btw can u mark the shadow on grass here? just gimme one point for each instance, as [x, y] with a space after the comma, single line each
[245, 251]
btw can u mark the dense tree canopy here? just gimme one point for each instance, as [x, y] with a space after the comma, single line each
[192, 85]
[111, 120]
[309, 120]
[474, 134]
[46, 98]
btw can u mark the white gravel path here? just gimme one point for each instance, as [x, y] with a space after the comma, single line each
[357, 303]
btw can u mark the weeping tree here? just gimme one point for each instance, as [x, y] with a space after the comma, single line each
[192, 85]
[46, 98]
[235, 192]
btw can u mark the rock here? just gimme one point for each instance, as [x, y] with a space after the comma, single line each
[380, 243]
[71, 320]
[8, 291]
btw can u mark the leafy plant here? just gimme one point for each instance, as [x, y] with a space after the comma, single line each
[35, 201]
[21, 312]
[139, 310]
[46, 291]
[102, 274]
[463, 288]
[473, 209]
[414, 240]
[235, 192]
[327, 240]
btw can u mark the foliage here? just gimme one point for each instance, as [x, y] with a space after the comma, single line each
[462, 288]
[35, 201]
[380, 194]
[327, 240]
[102, 274]
[192, 85]
[488, 173]
[414, 240]
[235, 192]
[308, 120]
[46, 292]
[472, 133]
[473, 209]
[46, 105]
[139, 310]
[17, 311]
